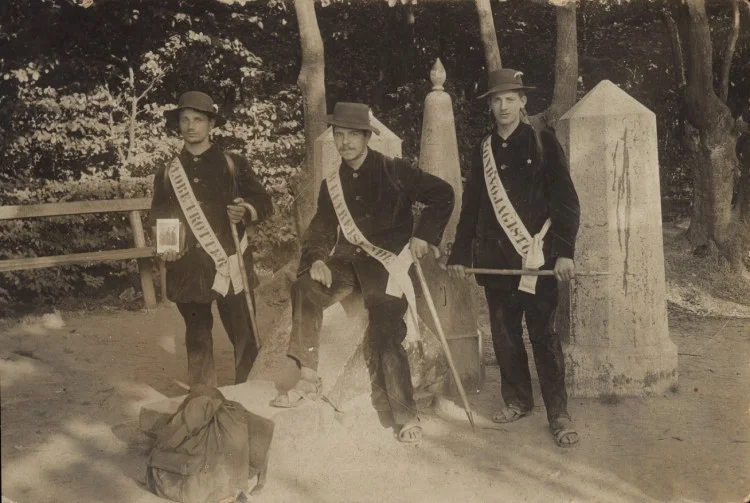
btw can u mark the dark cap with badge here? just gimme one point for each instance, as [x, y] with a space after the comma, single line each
[352, 116]
[505, 79]
[194, 100]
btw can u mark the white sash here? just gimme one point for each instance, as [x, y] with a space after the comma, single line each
[399, 282]
[227, 268]
[528, 247]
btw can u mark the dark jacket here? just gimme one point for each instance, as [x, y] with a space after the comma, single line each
[538, 186]
[190, 278]
[379, 196]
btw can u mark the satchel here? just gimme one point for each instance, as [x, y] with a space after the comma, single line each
[208, 450]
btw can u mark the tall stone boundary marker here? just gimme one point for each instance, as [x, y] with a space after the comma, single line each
[616, 326]
[438, 155]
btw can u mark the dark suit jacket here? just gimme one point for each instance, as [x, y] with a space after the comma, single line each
[539, 187]
[379, 196]
[190, 278]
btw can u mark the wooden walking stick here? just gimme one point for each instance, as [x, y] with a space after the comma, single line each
[444, 342]
[528, 272]
[245, 283]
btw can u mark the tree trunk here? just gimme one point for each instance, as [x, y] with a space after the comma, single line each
[715, 161]
[726, 64]
[311, 82]
[132, 118]
[489, 36]
[566, 67]
[679, 69]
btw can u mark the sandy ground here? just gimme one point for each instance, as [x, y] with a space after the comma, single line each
[71, 396]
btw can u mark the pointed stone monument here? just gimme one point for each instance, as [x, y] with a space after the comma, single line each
[616, 325]
[438, 155]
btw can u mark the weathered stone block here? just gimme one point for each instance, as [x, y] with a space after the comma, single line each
[616, 325]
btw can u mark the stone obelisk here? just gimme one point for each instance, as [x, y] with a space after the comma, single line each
[616, 325]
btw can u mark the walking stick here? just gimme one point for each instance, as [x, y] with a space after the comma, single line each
[444, 342]
[245, 284]
[528, 272]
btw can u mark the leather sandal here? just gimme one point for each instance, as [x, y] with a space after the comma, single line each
[508, 414]
[562, 428]
[301, 392]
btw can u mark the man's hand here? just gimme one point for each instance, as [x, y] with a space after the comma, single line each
[420, 248]
[236, 211]
[565, 269]
[170, 256]
[321, 273]
[457, 271]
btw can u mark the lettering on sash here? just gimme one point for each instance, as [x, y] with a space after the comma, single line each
[510, 220]
[396, 265]
[227, 268]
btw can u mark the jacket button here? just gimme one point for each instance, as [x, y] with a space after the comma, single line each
[355, 175]
[358, 198]
[505, 144]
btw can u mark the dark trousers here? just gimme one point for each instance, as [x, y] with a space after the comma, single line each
[506, 311]
[199, 338]
[385, 332]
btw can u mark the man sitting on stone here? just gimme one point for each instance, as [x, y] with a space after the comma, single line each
[520, 210]
[362, 239]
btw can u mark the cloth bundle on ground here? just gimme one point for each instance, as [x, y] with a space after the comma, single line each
[209, 450]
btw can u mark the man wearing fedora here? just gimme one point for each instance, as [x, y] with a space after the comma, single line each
[362, 238]
[520, 210]
[208, 190]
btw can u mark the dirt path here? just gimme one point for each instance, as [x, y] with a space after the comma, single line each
[70, 399]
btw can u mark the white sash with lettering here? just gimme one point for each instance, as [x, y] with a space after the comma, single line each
[227, 268]
[528, 247]
[399, 282]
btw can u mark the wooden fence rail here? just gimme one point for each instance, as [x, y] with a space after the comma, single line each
[144, 254]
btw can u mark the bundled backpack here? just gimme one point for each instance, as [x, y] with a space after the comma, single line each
[209, 450]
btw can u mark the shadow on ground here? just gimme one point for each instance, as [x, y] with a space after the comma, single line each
[70, 399]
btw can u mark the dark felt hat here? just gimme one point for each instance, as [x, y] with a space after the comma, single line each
[195, 100]
[352, 116]
[505, 79]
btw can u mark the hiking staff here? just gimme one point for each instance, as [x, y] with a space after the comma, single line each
[245, 285]
[528, 272]
[444, 342]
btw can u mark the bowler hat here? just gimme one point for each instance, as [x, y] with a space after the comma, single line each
[505, 79]
[352, 116]
[194, 100]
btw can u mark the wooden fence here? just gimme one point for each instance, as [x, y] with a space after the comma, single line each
[142, 253]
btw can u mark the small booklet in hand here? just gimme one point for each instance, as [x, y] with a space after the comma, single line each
[168, 235]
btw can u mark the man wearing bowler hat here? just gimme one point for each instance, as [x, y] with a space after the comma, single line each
[208, 190]
[362, 238]
[520, 210]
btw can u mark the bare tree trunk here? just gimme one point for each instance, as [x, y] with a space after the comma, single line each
[715, 162]
[677, 53]
[311, 82]
[132, 118]
[489, 36]
[566, 67]
[726, 64]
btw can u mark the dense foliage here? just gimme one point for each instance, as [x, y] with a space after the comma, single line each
[82, 93]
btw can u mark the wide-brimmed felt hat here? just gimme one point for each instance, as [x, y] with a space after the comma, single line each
[505, 79]
[352, 116]
[195, 100]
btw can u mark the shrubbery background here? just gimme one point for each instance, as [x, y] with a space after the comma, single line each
[82, 93]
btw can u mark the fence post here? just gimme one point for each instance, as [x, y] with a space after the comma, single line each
[144, 265]
[163, 281]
